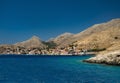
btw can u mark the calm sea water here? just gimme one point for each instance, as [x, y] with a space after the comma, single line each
[55, 69]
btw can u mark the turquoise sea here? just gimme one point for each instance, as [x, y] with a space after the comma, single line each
[55, 69]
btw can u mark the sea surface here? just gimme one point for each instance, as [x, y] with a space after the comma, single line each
[55, 69]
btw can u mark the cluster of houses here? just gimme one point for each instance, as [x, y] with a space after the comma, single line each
[39, 51]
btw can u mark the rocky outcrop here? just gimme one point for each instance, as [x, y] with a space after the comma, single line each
[110, 58]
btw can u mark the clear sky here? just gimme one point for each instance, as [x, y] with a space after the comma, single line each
[21, 19]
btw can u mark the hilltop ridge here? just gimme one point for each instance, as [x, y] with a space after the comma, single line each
[61, 38]
[33, 42]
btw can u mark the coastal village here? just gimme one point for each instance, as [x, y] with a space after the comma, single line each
[38, 51]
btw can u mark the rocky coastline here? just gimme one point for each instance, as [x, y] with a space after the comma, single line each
[110, 58]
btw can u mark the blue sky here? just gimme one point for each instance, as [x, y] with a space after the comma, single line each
[21, 19]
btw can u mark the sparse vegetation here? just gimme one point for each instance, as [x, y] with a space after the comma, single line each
[96, 50]
[115, 37]
[50, 45]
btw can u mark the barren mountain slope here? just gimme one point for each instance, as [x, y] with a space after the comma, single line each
[33, 42]
[95, 29]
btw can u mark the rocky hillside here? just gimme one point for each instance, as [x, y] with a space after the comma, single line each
[61, 38]
[33, 42]
[108, 38]
[102, 36]
[91, 31]
[98, 28]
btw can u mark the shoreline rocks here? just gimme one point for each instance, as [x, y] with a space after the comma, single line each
[111, 58]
